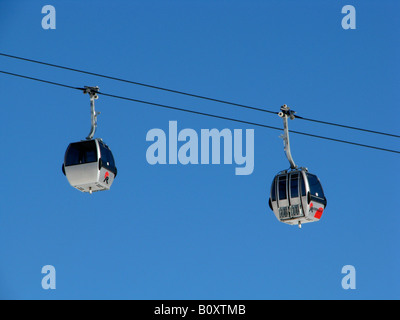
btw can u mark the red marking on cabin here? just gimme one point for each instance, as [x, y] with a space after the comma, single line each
[318, 214]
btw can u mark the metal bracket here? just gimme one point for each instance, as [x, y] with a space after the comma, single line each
[92, 91]
[285, 114]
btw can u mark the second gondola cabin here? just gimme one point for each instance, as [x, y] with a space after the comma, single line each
[89, 166]
[297, 197]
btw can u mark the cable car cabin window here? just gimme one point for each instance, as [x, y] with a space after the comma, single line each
[107, 158]
[315, 186]
[273, 190]
[294, 185]
[80, 153]
[303, 187]
[282, 187]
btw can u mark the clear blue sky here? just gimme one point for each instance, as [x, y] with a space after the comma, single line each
[199, 231]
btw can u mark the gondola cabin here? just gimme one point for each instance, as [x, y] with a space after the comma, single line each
[297, 197]
[89, 166]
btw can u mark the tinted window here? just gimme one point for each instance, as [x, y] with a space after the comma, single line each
[315, 186]
[80, 153]
[282, 187]
[107, 157]
[294, 185]
[90, 156]
[303, 187]
[72, 156]
[273, 191]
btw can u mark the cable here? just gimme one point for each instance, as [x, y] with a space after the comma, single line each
[40, 80]
[138, 83]
[193, 95]
[247, 122]
[348, 127]
[202, 113]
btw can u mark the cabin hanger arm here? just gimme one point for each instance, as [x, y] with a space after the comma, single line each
[92, 91]
[285, 114]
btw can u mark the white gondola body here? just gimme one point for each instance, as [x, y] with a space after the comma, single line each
[88, 178]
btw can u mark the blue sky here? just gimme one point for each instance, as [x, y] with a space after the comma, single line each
[199, 231]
